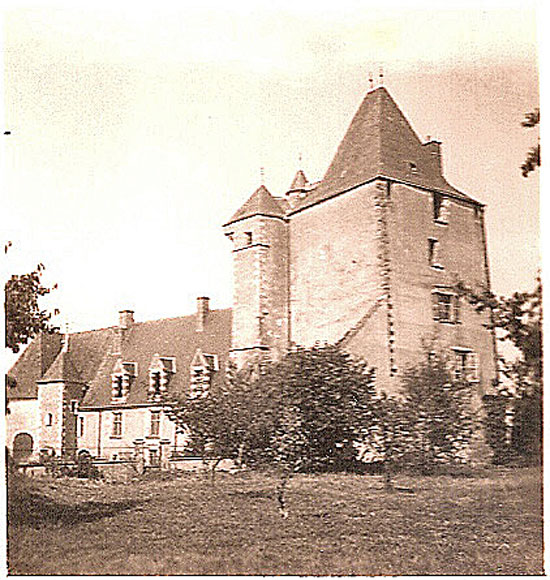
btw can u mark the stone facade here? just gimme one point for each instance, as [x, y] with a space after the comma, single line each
[367, 258]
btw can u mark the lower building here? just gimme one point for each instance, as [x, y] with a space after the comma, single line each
[105, 392]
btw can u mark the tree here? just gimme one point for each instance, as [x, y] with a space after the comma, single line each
[532, 161]
[24, 317]
[440, 410]
[217, 421]
[389, 434]
[517, 320]
[320, 400]
[325, 394]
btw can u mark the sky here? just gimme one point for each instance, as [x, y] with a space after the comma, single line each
[137, 132]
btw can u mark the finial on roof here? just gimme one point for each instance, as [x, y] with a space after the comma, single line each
[262, 176]
[371, 80]
[381, 76]
[299, 161]
[66, 337]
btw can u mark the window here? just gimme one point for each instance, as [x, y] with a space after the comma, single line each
[248, 238]
[81, 426]
[465, 365]
[117, 425]
[200, 382]
[161, 370]
[446, 306]
[203, 367]
[440, 208]
[155, 384]
[433, 254]
[155, 424]
[117, 387]
[412, 167]
[49, 420]
[122, 377]
[154, 458]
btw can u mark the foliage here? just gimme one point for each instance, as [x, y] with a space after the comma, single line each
[526, 438]
[440, 413]
[388, 433]
[518, 320]
[495, 427]
[24, 318]
[217, 421]
[323, 400]
[532, 161]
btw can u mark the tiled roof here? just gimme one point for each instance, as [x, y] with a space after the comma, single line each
[31, 366]
[62, 369]
[379, 142]
[91, 360]
[261, 202]
[169, 337]
[87, 349]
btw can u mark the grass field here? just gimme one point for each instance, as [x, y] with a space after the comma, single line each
[338, 524]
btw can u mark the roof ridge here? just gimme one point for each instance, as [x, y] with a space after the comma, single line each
[114, 327]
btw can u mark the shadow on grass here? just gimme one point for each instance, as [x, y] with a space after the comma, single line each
[36, 511]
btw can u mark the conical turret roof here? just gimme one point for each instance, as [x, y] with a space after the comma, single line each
[261, 202]
[380, 142]
[299, 182]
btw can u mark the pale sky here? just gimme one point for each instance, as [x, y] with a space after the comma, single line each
[135, 133]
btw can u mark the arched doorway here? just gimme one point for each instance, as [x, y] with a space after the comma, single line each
[22, 447]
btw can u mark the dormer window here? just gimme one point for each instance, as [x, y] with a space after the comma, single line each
[412, 167]
[117, 387]
[122, 377]
[248, 238]
[160, 372]
[203, 368]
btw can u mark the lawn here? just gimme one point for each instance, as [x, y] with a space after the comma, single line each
[338, 524]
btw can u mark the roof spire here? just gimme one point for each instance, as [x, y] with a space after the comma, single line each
[381, 75]
[371, 80]
[66, 337]
[262, 176]
[299, 161]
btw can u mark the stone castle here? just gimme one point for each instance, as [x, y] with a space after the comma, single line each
[367, 258]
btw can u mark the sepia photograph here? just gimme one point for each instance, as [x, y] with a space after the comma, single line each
[272, 288]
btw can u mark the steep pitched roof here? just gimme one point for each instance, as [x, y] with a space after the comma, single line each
[261, 202]
[86, 352]
[91, 357]
[299, 182]
[169, 337]
[62, 369]
[380, 142]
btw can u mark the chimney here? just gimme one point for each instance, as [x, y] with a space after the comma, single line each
[125, 319]
[434, 147]
[203, 307]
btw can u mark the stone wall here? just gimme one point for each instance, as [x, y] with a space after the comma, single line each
[50, 403]
[98, 436]
[23, 417]
[260, 288]
[334, 276]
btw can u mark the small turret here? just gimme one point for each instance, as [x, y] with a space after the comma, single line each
[258, 232]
